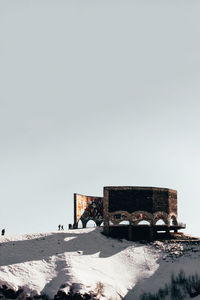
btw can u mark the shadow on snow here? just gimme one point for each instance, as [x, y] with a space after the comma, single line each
[86, 243]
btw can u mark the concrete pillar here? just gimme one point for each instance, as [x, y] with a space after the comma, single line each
[130, 237]
[106, 230]
[151, 234]
[84, 224]
[98, 223]
[106, 227]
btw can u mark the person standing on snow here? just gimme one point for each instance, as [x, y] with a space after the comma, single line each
[3, 231]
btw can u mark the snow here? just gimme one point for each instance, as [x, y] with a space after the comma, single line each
[85, 259]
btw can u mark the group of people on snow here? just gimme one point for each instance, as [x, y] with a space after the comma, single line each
[60, 227]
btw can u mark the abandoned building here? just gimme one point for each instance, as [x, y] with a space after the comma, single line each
[135, 213]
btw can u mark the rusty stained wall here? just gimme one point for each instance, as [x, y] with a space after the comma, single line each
[87, 208]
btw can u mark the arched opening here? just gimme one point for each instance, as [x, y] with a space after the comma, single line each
[173, 221]
[141, 217]
[160, 222]
[160, 218]
[125, 222]
[90, 224]
[144, 222]
[80, 224]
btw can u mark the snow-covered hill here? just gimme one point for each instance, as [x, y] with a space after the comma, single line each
[86, 260]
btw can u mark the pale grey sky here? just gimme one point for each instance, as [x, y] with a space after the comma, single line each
[96, 93]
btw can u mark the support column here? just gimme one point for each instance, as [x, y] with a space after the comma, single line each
[84, 224]
[98, 223]
[106, 224]
[75, 225]
[130, 236]
[151, 234]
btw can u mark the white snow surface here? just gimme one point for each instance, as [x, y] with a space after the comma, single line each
[83, 258]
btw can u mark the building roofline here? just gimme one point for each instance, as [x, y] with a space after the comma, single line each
[139, 188]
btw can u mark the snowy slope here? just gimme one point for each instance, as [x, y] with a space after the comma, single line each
[45, 263]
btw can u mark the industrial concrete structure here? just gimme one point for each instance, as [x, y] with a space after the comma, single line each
[130, 212]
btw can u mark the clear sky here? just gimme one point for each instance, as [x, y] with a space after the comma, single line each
[95, 93]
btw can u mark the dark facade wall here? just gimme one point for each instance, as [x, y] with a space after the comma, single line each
[130, 200]
[160, 201]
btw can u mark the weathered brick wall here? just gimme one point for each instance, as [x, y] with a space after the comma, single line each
[137, 203]
[160, 200]
[173, 202]
[132, 199]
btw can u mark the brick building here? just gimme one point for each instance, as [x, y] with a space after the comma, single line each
[130, 212]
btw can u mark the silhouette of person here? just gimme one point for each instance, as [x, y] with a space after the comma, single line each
[59, 227]
[3, 231]
[62, 228]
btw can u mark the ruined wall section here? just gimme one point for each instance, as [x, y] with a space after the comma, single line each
[87, 208]
[139, 203]
[160, 200]
[173, 209]
[173, 202]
